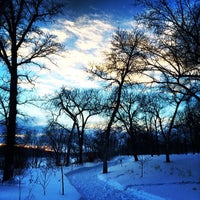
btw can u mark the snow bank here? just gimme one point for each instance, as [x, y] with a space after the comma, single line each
[179, 179]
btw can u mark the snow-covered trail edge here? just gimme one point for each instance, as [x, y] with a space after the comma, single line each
[92, 184]
[142, 195]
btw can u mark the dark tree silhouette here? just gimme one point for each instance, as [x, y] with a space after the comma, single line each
[77, 105]
[123, 62]
[189, 123]
[174, 52]
[128, 118]
[159, 105]
[58, 137]
[22, 43]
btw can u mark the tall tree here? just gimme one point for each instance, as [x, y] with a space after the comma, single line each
[22, 42]
[123, 62]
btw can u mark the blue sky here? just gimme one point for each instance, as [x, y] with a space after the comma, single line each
[117, 9]
[85, 29]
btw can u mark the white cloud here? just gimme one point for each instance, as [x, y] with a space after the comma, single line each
[89, 34]
[85, 41]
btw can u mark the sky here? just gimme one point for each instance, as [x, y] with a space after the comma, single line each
[85, 29]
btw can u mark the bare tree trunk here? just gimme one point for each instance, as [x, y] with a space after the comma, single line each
[11, 129]
[58, 158]
[157, 145]
[81, 135]
[167, 153]
[107, 134]
[134, 147]
[135, 157]
[106, 150]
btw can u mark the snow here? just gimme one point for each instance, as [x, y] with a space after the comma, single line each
[179, 179]
[32, 189]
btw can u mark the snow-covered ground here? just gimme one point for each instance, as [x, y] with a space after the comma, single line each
[149, 179]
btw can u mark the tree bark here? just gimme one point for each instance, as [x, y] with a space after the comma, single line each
[107, 134]
[81, 148]
[167, 154]
[106, 149]
[11, 129]
[134, 146]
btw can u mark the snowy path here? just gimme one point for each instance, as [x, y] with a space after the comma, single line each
[87, 183]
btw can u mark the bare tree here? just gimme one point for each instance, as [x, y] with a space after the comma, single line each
[78, 105]
[127, 116]
[22, 43]
[174, 52]
[190, 126]
[142, 162]
[60, 143]
[123, 62]
[164, 107]
[58, 139]
[149, 103]
[44, 178]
